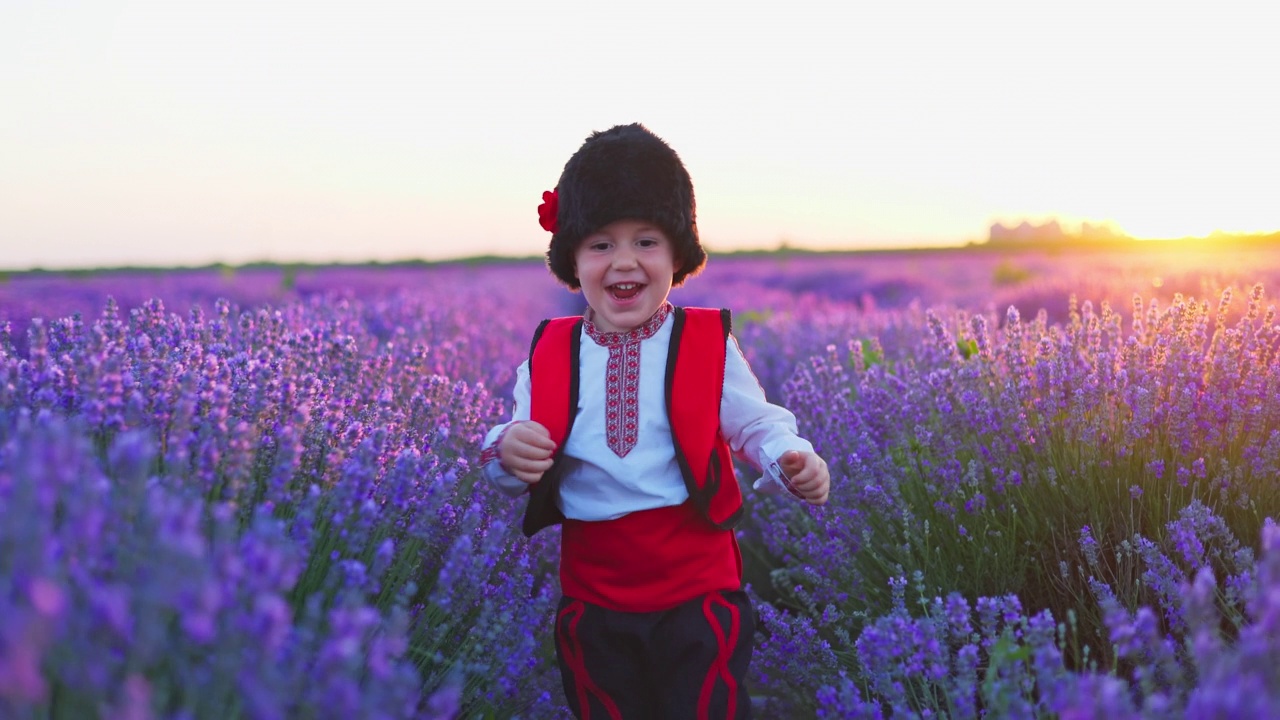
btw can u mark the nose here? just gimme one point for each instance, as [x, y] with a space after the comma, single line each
[624, 258]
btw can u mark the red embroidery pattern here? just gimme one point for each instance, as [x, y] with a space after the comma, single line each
[494, 451]
[622, 379]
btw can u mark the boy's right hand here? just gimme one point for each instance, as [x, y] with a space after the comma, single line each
[526, 451]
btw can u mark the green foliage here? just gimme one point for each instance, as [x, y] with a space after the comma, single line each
[870, 352]
[752, 317]
[1006, 273]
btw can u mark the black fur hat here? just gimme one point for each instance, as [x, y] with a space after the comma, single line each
[624, 173]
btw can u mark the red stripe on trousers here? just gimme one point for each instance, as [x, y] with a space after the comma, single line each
[571, 648]
[720, 666]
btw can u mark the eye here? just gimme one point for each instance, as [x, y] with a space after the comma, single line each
[599, 245]
[647, 242]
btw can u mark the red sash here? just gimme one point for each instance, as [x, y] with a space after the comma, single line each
[648, 560]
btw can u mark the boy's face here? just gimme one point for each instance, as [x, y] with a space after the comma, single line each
[625, 269]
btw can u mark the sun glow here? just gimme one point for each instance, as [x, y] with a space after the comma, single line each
[239, 131]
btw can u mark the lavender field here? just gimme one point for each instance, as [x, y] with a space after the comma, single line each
[252, 493]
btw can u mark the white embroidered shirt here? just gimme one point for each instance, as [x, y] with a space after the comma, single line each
[599, 483]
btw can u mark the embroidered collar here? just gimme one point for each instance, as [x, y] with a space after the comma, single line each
[644, 331]
[622, 378]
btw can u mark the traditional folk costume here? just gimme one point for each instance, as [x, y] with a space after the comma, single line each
[653, 622]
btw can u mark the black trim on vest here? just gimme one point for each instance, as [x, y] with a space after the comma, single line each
[732, 521]
[726, 319]
[542, 510]
[715, 473]
[533, 344]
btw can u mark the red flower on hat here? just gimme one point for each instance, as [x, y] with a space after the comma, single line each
[549, 210]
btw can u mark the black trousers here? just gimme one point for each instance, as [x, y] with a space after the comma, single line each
[686, 663]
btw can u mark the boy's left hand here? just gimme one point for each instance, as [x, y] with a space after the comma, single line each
[808, 475]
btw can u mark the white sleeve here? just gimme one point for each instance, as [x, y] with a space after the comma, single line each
[491, 466]
[756, 429]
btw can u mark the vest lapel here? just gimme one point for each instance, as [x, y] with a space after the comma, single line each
[694, 386]
[555, 349]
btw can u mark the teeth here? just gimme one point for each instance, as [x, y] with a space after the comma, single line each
[626, 286]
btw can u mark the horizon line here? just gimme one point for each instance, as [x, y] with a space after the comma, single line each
[1067, 241]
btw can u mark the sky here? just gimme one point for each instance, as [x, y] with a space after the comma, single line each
[177, 133]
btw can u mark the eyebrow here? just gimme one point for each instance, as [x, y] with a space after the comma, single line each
[639, 229]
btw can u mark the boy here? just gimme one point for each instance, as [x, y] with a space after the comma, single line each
[625, 425]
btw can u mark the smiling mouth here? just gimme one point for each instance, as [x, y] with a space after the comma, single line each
[625, 291]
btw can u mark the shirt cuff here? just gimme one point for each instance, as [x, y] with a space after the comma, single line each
[491, 464]
[773, 481]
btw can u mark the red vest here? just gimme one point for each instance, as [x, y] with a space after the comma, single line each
[694, 381]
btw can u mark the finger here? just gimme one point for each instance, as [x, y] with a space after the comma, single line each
[818, 500]
[540, 440]
[811, 489]
[530, 470]
[542, 444]
[814, 474]
[792, 462]
[806, 478]
[805, 487]
[537, 429]
[527, 477]
[532, 433]
[814, 464]
[816, 488]
[532, 451]
[531, 465]
[822, 491]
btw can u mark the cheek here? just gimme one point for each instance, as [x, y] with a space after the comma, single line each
[676, 262]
